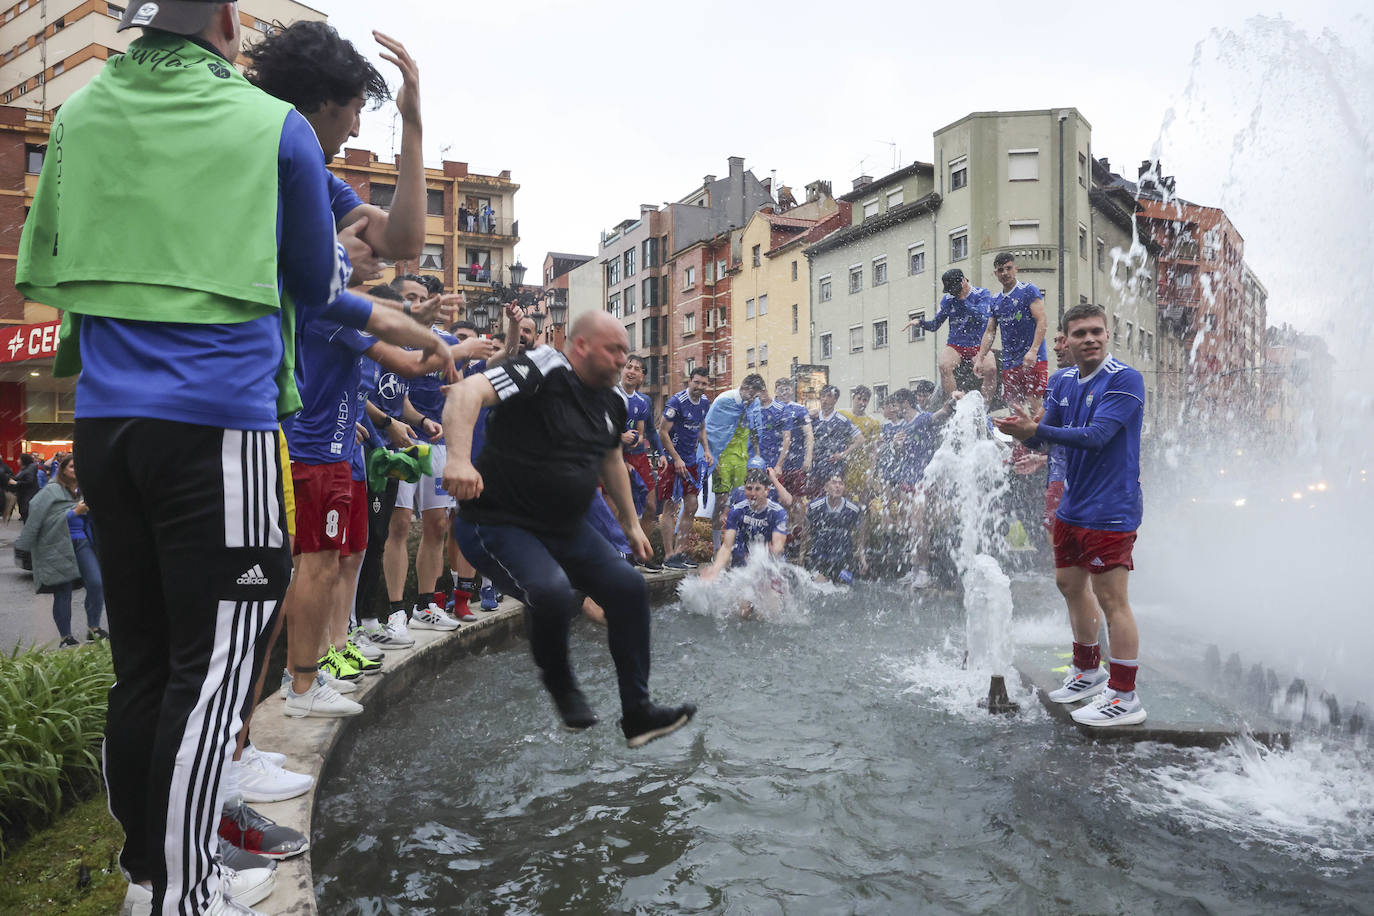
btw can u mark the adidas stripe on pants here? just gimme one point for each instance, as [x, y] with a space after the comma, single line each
[190, 530]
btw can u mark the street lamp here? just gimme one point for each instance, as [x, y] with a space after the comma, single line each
[517, 274]
[479, 314]
[558, 309]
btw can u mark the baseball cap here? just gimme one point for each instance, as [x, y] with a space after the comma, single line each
[183, 17]
[952, 280]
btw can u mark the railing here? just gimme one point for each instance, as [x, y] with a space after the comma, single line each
[495, 226]
[1028, 255]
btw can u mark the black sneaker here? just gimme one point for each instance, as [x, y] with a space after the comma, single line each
[651, 564]
[97, 633]
[690, 563]
[68, 643]
[677, 561]
[650, 722]
[573, 707]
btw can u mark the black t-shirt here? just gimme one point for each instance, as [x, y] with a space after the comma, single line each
[545, 442]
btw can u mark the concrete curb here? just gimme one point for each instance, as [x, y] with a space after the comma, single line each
[307, 743]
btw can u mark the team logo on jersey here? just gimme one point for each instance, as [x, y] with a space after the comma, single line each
[390, 386]
[218, 69]
[1090, 400]
[1063, 402]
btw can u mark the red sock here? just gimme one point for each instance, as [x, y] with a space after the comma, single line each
[461, 599]
[1087, 658]
[1122, 679]
[439, 599]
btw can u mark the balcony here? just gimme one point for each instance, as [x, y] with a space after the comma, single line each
[1028, 257]
[497, 229]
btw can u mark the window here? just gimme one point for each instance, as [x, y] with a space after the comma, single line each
[688, 366]
[763, 354]
[647, 337]
[879, 394]
[481, 259]
[113, 10]
[856, 278]
[825, 288]
[879, 271]
[870, 209]
[894, 198]
[1101, 255]
[795, 317]
[958, 173]
[689, 323]
[651, 252]
[59, 67]
[34, 156]
[1023, 164]
[1130, 331]
[613, 271]
[856, 339]
[613, 305]
[763, 306]
[1083, 241]
[629, 262]
[880, 334]
[794, 270]
[722, 268]
[720, 316]
[1023, 232]
[689, 278]
[827, 346]
[748, 309]
[706, 319]
[1082, 170]
[432, 257]
[757, 255]
[915, 332]
[630, 333]
[630, 303]
[381, 195]
[434, 201]
[958, 244]
[916, 259]
[649, 293]
[1116, 327]
[749, 357]
[1150, 345]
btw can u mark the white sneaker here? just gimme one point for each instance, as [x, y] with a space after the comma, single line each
[321, 700]
[1080, 685]
[249, 886]
[1110, 709]
[432, 618]
[365, 646]
[395, 629]
[920, 578]
[138, 901]
[338, 685]
[269, 756]
[224, 905]
[260, 780]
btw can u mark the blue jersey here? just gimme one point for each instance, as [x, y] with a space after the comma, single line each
[367, 374]
[686, 417]
[798, 421]
[1098, 420]
[750, 525]
[639, 409]
[224, 375]
[388, 391]
[913, 446]
[833, 435]
[425, 395]
[771, 422]
[1058, 462]
[1013, 313]
[968, 318]
[328, 375]
[832, 529]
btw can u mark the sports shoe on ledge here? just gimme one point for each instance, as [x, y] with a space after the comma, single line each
[260, 780]
[320, 701]
[251, 831]
[1080, 685]
[432, 618]
[1109, 709]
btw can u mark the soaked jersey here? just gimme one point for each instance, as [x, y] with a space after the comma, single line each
[968, 318]
[832, 528]
[798, 421]
[639, 409]
[687, 417]
[750, 525]
[1016, 324]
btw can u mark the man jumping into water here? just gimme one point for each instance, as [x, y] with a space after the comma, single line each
[1095, 410]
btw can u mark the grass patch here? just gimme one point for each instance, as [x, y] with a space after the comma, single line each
[44, 876]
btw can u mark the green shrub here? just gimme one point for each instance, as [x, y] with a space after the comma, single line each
[52, 720]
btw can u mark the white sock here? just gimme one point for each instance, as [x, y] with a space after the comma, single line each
[370, 623]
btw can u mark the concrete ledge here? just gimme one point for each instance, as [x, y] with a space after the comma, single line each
[308, 743]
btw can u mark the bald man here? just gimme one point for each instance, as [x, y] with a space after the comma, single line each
[552, 436]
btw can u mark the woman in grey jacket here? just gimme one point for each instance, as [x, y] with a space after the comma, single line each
[57, 536]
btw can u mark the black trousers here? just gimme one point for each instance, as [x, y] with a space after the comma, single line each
[191, 530]
[379, 509]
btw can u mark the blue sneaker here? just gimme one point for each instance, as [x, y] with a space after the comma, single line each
[489, 598]
[676, 561]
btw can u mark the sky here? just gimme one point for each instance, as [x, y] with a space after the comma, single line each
[597, 107]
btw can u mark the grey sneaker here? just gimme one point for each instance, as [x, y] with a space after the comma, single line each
[1080, 685]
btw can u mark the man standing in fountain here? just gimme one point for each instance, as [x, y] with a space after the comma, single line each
[1095, 411]
[553, 433]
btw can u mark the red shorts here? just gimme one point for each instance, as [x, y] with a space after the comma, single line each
[324, 496]
[1022, 384]
[357, 518]
[794, 482]
[965, 353]
[642, 466]
[1095, 551]
[1054, 493]
[668, 480]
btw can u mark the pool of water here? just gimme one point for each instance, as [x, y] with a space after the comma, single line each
[838, 764]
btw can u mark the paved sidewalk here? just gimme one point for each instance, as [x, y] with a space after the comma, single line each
[25, 617]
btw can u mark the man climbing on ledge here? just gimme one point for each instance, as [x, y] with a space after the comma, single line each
[1095, 411]
[553, 433]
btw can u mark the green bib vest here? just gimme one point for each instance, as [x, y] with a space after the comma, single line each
[158, 200]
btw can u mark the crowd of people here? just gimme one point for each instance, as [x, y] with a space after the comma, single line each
[257, 435]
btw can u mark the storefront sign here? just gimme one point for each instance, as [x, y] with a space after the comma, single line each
[29, 341]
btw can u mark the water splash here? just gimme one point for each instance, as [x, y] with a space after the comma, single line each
[775, 591]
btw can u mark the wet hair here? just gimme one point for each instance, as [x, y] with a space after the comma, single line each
[701, 371]
[784, 382]
[464, 326]
[924, 386]
[1003, 258]
[633, 358]
[309, 65]
[901, 397]
[830, 389]
[756, 475]
[861, 391]
[1082, 311]
[754, 382]
[386, 291]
